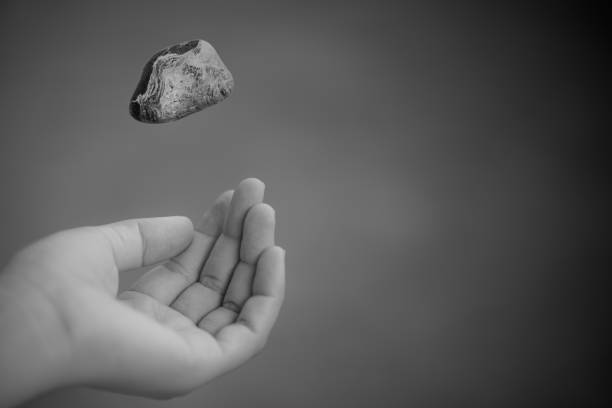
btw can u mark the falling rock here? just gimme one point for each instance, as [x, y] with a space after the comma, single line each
[180, 80]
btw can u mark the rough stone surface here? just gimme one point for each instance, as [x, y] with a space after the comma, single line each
[180, 80]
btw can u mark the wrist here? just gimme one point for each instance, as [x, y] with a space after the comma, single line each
[35, 356]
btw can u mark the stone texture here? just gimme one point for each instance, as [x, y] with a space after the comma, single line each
[180, 80]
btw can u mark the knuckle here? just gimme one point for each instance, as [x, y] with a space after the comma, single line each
[175, 266]
[213, 283]
[232, 305]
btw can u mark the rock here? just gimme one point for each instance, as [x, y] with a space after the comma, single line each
[180, 80]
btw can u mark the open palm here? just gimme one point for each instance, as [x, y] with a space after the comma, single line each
[205, 309]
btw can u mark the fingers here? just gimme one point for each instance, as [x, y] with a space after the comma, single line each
[212, 221]
[248, 193]
[199, 299]
[258, 234]
[224, 256]
[165, 282]
[141, 242]
[249, 333]
[260, 311]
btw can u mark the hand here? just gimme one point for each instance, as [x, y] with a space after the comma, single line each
[204, 311]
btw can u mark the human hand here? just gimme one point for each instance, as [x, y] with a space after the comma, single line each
[207, 309]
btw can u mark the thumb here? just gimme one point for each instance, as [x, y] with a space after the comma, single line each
[141, 242]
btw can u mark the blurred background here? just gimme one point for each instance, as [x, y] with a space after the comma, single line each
[438, 171]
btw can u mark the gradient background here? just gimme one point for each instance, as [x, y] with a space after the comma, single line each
[438, 170]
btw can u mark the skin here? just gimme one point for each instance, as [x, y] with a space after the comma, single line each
[206, 307]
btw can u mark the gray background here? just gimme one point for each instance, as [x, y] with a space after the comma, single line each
[437, 170]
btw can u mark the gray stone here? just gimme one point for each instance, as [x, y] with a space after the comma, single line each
[180, 80]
